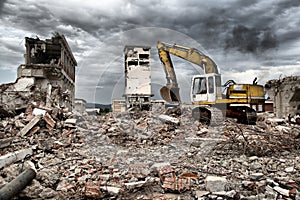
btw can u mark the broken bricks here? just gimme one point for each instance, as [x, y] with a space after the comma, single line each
[92, 190]
[38, 115]
[110, 157]
[172, 182]
[30, 125]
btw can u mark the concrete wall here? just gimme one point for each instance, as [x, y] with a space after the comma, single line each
[80, 105]
[284, 93]
[118, 105]
[137, 75]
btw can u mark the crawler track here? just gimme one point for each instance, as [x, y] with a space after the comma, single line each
[208, 115]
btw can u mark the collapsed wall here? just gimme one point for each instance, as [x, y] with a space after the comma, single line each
[286, 95]
[47, 77]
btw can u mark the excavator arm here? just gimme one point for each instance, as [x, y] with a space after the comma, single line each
[189, 54]
[170, 92]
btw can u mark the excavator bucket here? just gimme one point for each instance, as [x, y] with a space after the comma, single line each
[170, 95]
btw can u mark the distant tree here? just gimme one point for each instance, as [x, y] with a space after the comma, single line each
[106, 110]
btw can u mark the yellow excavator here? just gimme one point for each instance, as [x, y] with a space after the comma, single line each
[210, 102]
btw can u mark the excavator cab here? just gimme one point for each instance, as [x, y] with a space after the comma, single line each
[206, 88]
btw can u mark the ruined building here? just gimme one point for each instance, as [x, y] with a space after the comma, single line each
[50, 62]
[80, 105]
[118, 105]
[47, 77]
[285, 93]
[137, 76]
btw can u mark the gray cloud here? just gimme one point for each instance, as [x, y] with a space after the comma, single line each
[211, 23]
[251, 40]
[2, 2]
[34, 18]
[286, 5]
[239, 35]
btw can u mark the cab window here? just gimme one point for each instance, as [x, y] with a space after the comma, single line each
[210, 85]
[200, 86]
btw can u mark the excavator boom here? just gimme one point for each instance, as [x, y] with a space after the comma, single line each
[191, 55]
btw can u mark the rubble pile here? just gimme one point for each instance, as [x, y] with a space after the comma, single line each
[143, 127]
[263, 139]
[159, 154]
[15, 97]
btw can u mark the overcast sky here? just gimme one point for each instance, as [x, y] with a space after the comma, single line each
[247, 39]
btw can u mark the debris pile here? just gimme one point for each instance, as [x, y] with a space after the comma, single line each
[159, 154]
[264, 139]
[15, 97]
[30, 135]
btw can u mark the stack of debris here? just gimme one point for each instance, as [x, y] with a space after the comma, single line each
[15, 97]
[161, 154]
[27, 136]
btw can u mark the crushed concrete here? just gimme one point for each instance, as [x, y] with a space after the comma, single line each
[139, 155]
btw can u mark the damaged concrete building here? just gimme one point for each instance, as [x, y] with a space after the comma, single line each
[80, 105]
[137, 76]
[285, 93]
[47, 77]
[118, 105]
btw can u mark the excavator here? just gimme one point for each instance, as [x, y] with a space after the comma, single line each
[211, 100]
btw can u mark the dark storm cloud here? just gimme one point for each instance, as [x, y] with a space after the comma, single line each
[34, 18]
[1, 5]
[246, 26]
[285, 5]
[251, 40]
[268, 40]
[290, 36]
[214, 24]
[239, 35]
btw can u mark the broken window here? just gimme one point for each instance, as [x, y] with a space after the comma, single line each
[144, 63]
[133, 62]
[42, 53]
[144, 56]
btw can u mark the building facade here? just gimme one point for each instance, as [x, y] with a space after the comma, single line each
[285, 94]
[80, 105]
[52, 64]
[137, 76]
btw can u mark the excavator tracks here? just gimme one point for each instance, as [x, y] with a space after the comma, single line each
[243, 114]
[209, 115]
